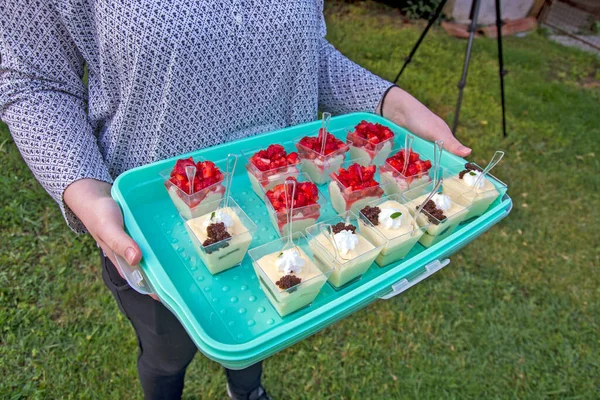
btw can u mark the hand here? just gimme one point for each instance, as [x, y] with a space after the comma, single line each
[90, 200]
[406, 111]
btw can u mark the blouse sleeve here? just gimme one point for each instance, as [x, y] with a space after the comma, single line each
[43, 100]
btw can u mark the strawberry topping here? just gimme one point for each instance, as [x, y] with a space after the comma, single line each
[416, 166]
[207, 174]
[306, 194]
[332, 144]
[357, 177]
[369, 135]
[274, 157]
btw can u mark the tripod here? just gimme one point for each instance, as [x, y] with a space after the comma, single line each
[463, 80]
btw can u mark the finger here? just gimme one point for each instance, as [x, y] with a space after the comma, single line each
[455, 147]
[118, 241]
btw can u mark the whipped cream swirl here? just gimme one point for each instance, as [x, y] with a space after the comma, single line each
[345, 241]
[216, 217]
[442, 201]
[389, 218]
[470, 178]
[290, 261]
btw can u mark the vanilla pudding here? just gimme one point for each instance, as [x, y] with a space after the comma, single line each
[443, 213]
[391, 225]
[376, 157]
[351, 257]
[206, 205]
[268, 181]
[300, 221]
[399, 184]
[480, 194]
[220, 238]
[346, 200]
[319, 169]
[289, 279]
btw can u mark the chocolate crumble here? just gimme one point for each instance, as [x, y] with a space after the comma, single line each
[216, 233]
[433, 212]
[468, 168]
[288, 281]
[372, 214]
[340, 226]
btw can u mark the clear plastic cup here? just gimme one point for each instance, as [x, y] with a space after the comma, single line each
[261, 181]
[395, 181]
[346, 268]
[313, 275]
[198, 203]
[344, 199]
[480, 198]
[437, 229]
[302, 217]
[227, 253]
[319, 166]
[397, 243]
[367, 151]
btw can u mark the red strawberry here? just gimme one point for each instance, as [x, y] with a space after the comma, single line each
[306, 194]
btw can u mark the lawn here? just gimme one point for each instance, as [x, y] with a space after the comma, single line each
[515, 315]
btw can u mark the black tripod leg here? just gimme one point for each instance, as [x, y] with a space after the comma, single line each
[432, 20]
[463, 78]
[499, 24]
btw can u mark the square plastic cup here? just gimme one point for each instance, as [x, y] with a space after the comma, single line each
[395, 181]
[319, 166]
[261, 181]
[480, 198]
[367, 152]
[198, 203]
[349, 268]
[302, 217]
[343, 199]
[227, 253]
[397, 243]
[313, 275]
[437, 229]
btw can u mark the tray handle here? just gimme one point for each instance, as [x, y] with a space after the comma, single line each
[405, 284]
[134, 276]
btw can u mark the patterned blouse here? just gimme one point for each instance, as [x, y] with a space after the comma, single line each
[164, 78]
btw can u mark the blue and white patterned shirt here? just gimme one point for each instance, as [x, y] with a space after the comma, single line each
[165, 78]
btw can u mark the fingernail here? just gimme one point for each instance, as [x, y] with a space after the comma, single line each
[465, 149]
[130, 255]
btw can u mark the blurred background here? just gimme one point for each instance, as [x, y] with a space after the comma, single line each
[515, 315]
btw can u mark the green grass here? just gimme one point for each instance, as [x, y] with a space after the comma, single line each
[516, 314]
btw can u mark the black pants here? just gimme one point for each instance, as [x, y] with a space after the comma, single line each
[165, 349]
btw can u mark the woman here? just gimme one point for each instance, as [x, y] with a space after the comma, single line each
[167, 78]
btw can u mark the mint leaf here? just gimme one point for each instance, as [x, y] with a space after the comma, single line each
[472, 173]
[212, 215]
[396, 215]
[280, 254]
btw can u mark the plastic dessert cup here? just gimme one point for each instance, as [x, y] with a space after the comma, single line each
[263, 180]
[394, 181]
[319, 166]
[349, 267]
[313, 276]
[227, 253]
[397, 243]
[480, 198]
[437, 229]
[198, 203]
[348, 199]
[302, 217]
[372, 151]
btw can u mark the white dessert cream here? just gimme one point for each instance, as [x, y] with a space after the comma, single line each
[398, 184]
[271, 180]
[376, 157]
[395, 229]
[300, 221]
[454, 208]
[209, 203]
[341, 204]
[218, 257]
[319, 170]
[353, 257]
[292, 263]
[481, 194]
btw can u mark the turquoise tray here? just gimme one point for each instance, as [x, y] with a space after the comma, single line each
[227, 315]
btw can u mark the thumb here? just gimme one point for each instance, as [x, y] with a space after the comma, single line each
[455, 147]
[119, 242]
